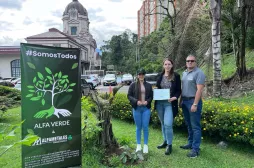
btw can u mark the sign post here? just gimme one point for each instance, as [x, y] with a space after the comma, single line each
[51, 105]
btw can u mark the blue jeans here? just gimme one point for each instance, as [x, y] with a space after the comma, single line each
[192, 120]
[142, 117]
[165, 113]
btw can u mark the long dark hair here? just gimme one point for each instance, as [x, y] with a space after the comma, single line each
[171, 72]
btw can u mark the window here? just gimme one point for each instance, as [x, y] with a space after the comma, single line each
[73, 30]
[15, 68]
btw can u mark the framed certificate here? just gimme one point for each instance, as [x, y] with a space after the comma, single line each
[161, 94]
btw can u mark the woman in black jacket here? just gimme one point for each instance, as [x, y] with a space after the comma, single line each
[168, 109]
[140, 95]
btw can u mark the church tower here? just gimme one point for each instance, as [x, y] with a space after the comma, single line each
[76, 24]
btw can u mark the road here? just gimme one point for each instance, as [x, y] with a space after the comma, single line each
[105, 89]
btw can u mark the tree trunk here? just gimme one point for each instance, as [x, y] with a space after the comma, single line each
[216, 46]
[242, 72]
[106, 136]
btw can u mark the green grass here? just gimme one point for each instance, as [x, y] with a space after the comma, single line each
[12, 158]
[228, 65]
[235, 155]
[248, 98]
[211, 156]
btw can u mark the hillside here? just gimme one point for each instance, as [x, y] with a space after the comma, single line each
[234, 88]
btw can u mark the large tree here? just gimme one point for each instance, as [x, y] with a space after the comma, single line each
[215, 6]
[120, 51]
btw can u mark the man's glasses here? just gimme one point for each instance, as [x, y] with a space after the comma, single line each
[190, 61]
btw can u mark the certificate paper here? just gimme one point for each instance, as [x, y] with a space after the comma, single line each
[161, 94]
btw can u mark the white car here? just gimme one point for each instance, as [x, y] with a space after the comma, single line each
[91, 80]
[109, 79]
[8, 79]
[18, 80]
[127, 79]
[18, 86]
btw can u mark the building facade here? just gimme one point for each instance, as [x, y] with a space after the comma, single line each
[10, 61]
[75, 35]
[151, 15]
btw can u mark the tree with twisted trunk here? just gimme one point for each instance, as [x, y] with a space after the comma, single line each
[106, 137]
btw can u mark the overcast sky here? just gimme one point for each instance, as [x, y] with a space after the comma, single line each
[22, 18]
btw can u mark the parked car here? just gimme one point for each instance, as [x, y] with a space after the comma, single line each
[8, 79]
[151, 78]
[109, 79]
[16, 81]
[127, 79]
[85, 88]
[91, 80]
[18, 86]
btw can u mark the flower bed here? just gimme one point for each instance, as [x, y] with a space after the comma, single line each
[231, 121]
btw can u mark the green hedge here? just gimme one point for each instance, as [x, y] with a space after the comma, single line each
[9, 98]
[230, 121]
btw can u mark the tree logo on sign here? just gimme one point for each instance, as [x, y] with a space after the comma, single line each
[49, 84]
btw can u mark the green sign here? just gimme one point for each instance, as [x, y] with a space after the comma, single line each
[51, 106]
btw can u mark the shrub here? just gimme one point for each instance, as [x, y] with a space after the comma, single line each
[90, 122]
[9, 98]
[228, 120]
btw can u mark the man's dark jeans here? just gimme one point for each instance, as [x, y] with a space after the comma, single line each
[192, 120]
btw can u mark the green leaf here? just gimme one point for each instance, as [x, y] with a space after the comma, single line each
[37, 84]
[55, 75]
[12, 133]
[41, 82]
[65, 86]
[29, 140]
[48, 70]
[30, 87]
[29, 95]
[73, 84]
[46, 86]
[67, 80]
[40, 76]
[49, 77]
[31, 65]
[125, 159]
[43, 102]
[65, 76]
[32, 91]
[74, 66]
[34, 80]
[62, 82]
[51, 82]
[40, 86]
[60, 75]
[35, 98]
[30, 131]
[69, 90]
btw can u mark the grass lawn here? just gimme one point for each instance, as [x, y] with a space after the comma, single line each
[211, 156]
[228, 65]
[12, 158]
[235, 155]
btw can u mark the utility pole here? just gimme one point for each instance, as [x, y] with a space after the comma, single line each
[137, 54]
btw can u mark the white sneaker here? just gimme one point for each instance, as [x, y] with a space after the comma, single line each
[145, 149]
[138, 147]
